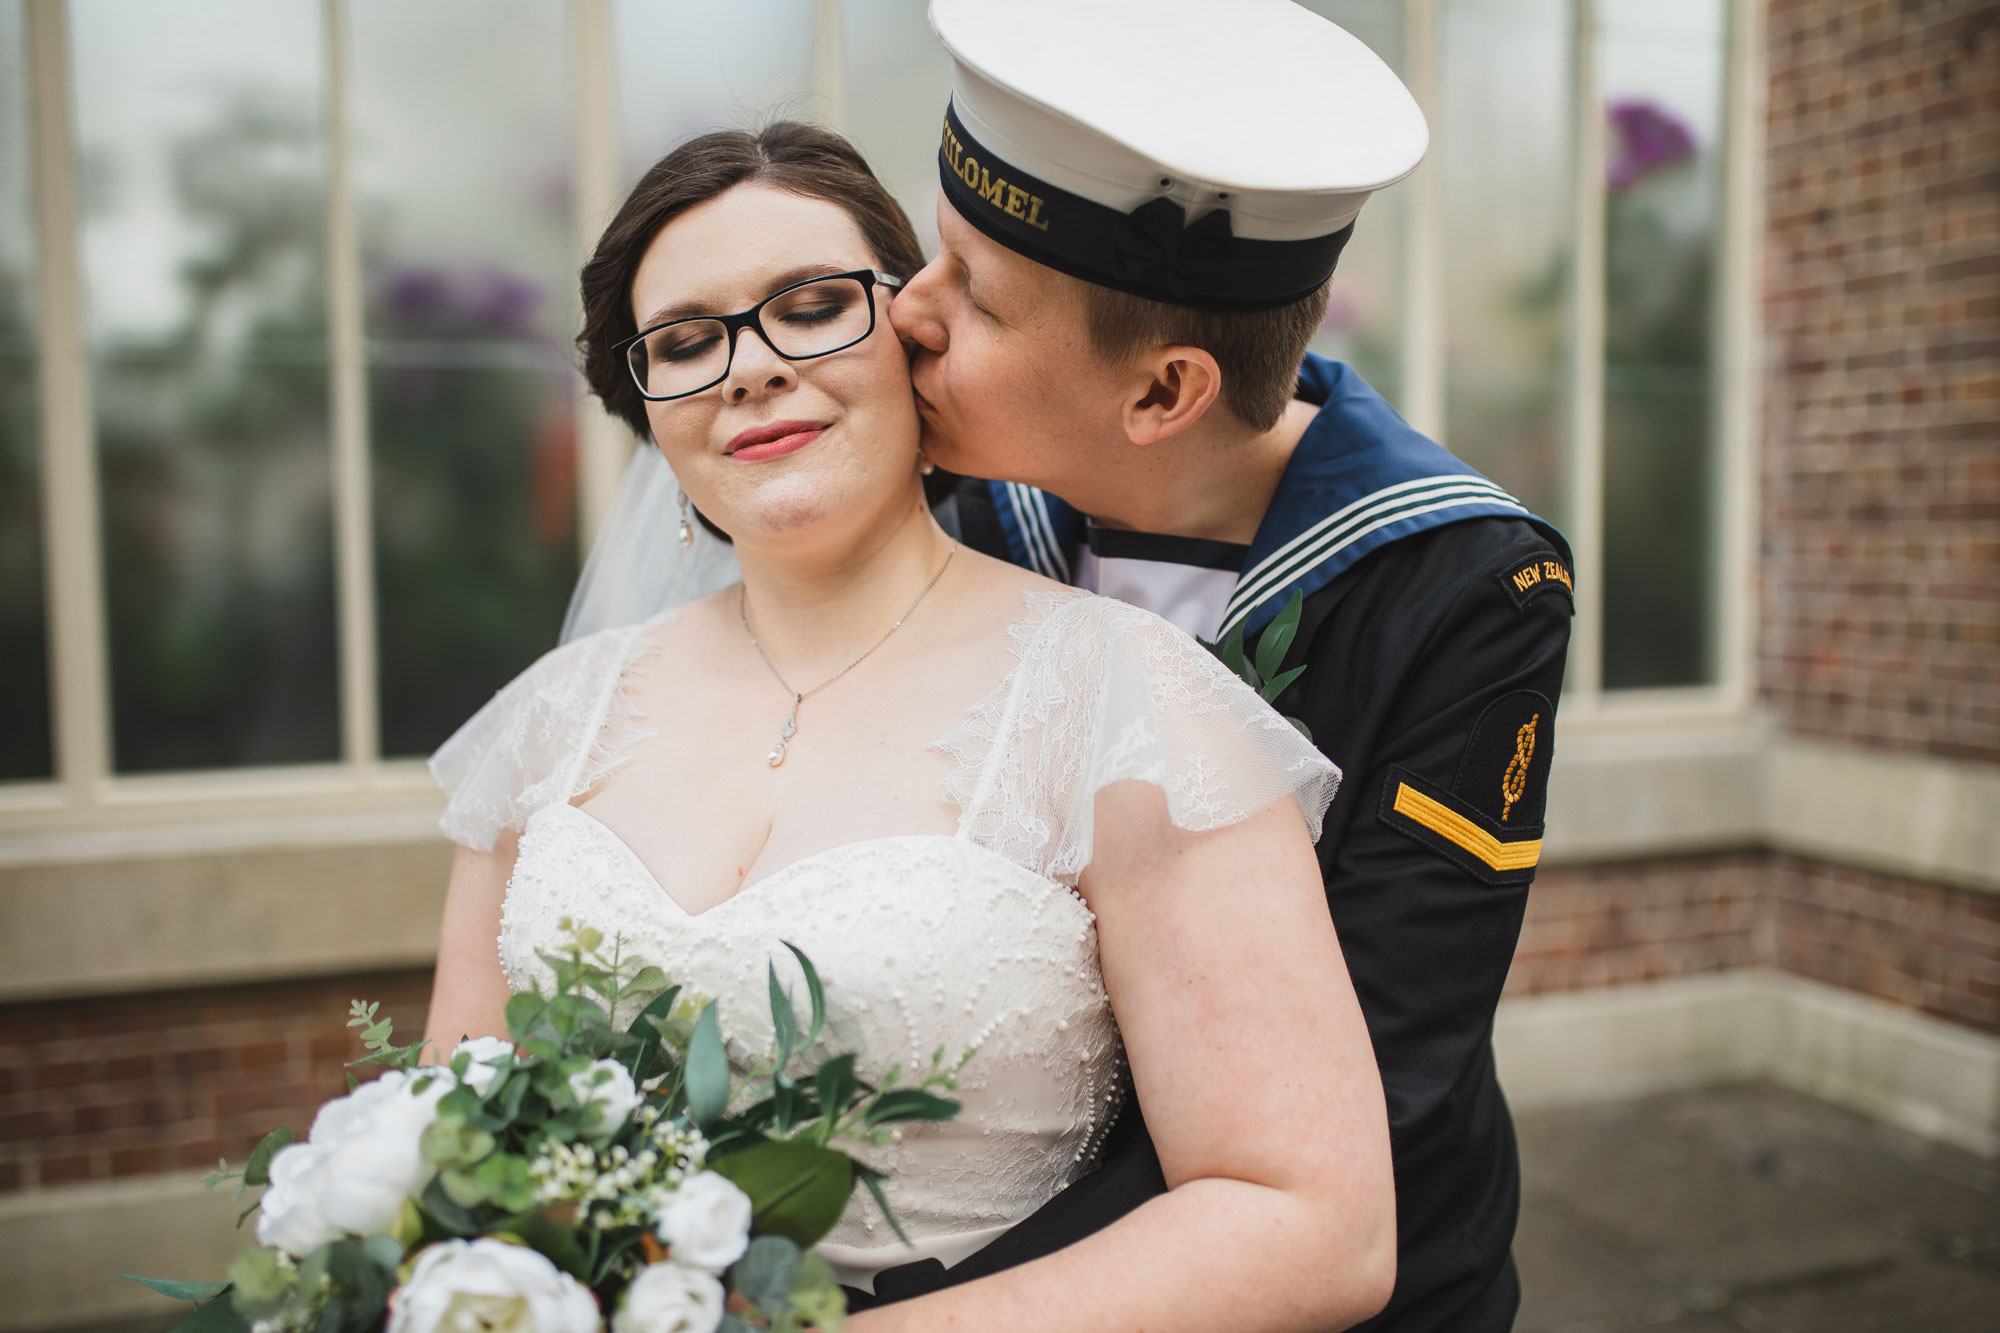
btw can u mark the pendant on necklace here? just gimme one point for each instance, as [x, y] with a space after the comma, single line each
[777, 755]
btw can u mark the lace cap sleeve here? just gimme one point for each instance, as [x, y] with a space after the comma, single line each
[1104, 692]
[554, 731]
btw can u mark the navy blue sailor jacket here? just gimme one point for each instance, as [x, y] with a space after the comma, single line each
[1435, 622]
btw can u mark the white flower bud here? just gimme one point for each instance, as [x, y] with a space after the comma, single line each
[668, 1298]
[489, 1056]
[607, 1085]
[706, 1222]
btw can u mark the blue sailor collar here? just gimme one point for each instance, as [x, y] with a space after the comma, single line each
[1359, 479]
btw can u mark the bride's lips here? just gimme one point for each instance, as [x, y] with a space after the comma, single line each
[774, 440]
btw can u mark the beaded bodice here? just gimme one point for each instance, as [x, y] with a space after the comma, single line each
[925, 943]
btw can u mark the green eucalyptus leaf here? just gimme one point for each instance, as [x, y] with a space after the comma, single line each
[707, 1070]
[836, 1084]
[872, 1180]
[213, 1316]
[364, 1285]
[384, 1250]
[179, 1291]
[764, 1274]
[798, 1191]
[784, 1022]
[451, 1217]
[558, 1242]
[524, 1009]
[1277, 637]
[650, 1058]
[908, 1104]
[817, 1299]
[647, 978]
[815, 992]
[1272, 689]
[258, 1170]
[258, 1284]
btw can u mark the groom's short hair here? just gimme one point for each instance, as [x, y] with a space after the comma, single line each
[1258, 350]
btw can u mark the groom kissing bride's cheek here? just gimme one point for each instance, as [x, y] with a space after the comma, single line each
[1174, 758]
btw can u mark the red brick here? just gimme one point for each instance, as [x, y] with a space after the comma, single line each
[68, 1169]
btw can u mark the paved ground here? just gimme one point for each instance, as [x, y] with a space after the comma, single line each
[1739, 1209]
[1751, 1208]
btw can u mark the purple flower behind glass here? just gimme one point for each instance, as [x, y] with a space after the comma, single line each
[504, 302]
[1647, 138]
[415, 296]
[426, 301]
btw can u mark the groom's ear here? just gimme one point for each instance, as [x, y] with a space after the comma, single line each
[1171, 389]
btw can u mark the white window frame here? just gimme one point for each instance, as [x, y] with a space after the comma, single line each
[88, 810]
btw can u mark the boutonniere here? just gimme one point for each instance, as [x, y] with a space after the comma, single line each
[1261, 673]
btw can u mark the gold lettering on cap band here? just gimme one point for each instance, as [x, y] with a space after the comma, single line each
[1002, 195]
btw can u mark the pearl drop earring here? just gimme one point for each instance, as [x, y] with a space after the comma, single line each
[687, 528]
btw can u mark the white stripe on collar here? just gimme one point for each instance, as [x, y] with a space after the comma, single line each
[1338, 531]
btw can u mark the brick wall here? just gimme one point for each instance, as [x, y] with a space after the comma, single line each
[91, 1089]
[1922, 946]
[1612, 925]
[1881, 576]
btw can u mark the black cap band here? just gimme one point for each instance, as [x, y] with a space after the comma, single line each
[1151, 252]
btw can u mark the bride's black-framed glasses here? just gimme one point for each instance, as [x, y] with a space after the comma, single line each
[816, 317]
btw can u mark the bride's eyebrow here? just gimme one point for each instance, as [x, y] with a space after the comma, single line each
[681, 309]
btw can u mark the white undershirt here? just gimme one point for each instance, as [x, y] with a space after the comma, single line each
[1190, 596]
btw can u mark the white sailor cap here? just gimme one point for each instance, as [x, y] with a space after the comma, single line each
[1207, 153]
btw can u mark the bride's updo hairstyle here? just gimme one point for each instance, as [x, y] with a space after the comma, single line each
[797, 158]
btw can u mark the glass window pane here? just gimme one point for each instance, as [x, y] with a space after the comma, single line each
[689, 66]
[1662, 63]
[897, 80]
[25, 747]
[469, 263]
[1504, 147]
[1364, 315]
[199, 129]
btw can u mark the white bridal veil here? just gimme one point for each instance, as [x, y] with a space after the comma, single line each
[637, 566]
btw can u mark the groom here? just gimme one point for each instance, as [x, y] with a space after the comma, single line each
[1142, 203]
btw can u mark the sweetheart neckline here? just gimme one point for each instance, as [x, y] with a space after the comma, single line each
[653, 881]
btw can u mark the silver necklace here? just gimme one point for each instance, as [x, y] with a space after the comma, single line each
[777, 754]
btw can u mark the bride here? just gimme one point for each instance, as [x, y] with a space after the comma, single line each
[1000, 815]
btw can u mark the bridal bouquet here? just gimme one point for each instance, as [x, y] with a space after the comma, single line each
[576, 1176]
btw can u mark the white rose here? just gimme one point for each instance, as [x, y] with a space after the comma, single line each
[288, 1214]
[608, 1086]
[489, 1056]
[492, 1286]
[370, 1141]
[707, 1222]
[667, 1298]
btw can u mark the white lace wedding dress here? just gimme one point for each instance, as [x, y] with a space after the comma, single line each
[975, 941]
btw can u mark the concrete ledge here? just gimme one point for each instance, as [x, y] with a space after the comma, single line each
[1933, 819]
[61, 1250]
[312, 886]
[93, 928]
[1914, 1071]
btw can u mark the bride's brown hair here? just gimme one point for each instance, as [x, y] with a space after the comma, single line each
[797, 158]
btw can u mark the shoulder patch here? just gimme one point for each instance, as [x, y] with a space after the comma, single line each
[1529, 578]
[1490, 820]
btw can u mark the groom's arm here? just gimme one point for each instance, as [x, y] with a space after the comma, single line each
[1432, 678]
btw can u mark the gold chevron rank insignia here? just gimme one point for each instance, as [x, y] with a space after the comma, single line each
[1488, 820]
